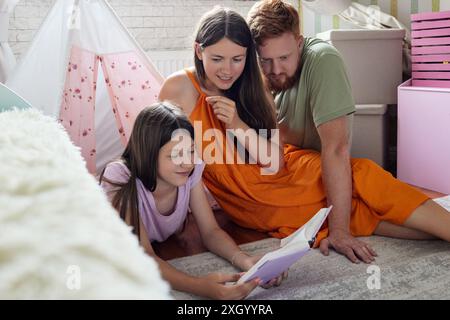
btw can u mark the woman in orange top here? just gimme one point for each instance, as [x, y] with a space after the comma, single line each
[224, 93]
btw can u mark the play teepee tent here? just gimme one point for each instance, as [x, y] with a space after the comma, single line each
[85, 69]
[10, 100]
[7, 59]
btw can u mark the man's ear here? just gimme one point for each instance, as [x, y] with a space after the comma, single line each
[258, 47]
[300, 40]
[198, 50]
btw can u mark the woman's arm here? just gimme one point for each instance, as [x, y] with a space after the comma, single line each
[267, 153]
[178, 90]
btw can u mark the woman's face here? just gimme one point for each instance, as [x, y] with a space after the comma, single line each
[223, 62]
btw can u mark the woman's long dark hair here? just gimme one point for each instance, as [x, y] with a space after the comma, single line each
[152, 129]
[248, 92]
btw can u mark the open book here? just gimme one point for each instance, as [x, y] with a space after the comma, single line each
[291, 249]
[443, 202]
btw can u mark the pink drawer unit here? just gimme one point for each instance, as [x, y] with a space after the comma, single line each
[429, 33]
[430, 49]
[427, 16]
[437, 58]
[431, 67]
[432, 75]
[431, 83]
[436, 41]
[431, 24]
[423, 145]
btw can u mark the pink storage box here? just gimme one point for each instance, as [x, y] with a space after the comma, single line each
[430, 49]
[423, 145]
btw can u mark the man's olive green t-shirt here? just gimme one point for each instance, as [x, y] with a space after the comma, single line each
[323, 93]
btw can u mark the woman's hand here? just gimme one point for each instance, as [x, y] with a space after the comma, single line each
[215, 286]
[225, 111]
[249, 261]
[271, 157]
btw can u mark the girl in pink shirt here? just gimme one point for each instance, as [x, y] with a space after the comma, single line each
[152, 186]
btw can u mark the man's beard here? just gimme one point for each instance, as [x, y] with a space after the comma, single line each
[277, 87]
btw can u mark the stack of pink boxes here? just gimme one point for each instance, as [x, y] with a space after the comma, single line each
[430, 49]
[423, 145]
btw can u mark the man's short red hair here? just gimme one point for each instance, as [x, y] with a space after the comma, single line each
[271, 18]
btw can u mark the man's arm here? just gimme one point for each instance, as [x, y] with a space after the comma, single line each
[337, 180]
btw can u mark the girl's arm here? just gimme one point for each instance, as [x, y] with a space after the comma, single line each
[272, 157]
[211, 286]
[214, 238]
[217, 240]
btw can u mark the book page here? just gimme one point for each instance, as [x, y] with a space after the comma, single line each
[274, 263]
[309, 230]
[443, 202]
[292, 248]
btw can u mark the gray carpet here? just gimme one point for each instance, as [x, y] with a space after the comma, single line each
[408, 270]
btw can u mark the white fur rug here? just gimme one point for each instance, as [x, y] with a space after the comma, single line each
[59, 236]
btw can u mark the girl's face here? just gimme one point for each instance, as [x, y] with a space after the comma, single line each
[223, 62]
[176, 160]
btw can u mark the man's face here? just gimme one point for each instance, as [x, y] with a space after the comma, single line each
[280, 59]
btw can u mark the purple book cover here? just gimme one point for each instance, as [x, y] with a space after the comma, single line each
[271, 268]
[274, 263]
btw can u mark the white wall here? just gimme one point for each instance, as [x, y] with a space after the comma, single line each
[156, 24]
[169, 24]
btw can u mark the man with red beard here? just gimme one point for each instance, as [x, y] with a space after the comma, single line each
[314, 109]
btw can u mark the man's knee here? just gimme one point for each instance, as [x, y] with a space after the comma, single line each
[365, 167]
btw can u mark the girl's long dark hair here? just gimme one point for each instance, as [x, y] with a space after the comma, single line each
[248, 92]
[152, 129]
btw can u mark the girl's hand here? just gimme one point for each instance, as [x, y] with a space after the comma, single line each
[225, 111]
[276, 281]
[215, 286]
[251, 260]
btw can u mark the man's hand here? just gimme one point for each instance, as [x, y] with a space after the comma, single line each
[344, 243]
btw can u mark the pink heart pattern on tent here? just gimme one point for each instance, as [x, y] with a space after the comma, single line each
[131, 87]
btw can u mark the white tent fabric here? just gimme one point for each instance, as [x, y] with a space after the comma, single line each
[7, 59]
[83, 59]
